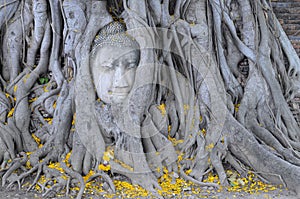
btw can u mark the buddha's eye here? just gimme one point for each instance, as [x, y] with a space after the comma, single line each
[131, 65]
[110, 67]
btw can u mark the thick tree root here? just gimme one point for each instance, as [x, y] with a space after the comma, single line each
[244, 146]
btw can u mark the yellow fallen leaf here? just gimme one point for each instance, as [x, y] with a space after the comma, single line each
[74, 119]
[32, 100]
[188, 171]
[210, 146]
[54, 105]
[236, 107]
[186, 107]
[104, 167]
[85, 178]
[56, 166]
[165, 170]
[203, 131]
[11, 112]
[45, 89]
[28, 165]
[106, 156]
[37, 140]
[158, 169]
[15, 88]
[162, 109]
[49, 120]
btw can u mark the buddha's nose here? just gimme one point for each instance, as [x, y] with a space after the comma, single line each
[120, 79]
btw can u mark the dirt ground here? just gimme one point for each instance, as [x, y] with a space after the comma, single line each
[276, 194]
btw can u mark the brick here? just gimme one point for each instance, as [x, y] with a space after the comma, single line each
[287, 10]
[288, 14]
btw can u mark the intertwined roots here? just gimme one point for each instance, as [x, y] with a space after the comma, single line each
[213, 86]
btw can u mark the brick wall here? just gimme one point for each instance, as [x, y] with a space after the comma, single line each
[288, 13]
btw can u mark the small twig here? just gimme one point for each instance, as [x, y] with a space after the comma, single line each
[68, 186]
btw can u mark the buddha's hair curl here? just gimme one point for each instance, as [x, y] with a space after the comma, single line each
[113, 34]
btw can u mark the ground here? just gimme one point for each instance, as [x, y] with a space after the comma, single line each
[276, 194]
[253, 189]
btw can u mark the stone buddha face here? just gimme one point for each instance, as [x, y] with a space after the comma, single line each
[115, 57]
[113, 70]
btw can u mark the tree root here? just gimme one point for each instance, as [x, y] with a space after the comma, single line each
[106, 179]
[75, 175]
[16, 164]
[244, 146]
[39, 171]
[188, 178]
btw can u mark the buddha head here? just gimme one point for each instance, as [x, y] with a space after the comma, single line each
[114, 59]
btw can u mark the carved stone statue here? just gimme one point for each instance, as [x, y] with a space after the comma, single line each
[115, 57]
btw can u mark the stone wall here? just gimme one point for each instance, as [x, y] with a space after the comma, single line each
[288, 13]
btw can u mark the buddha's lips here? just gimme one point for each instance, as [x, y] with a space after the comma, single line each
[120, 93]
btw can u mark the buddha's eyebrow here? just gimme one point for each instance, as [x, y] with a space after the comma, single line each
[130, 56]
[131, 59]
[106, 63]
